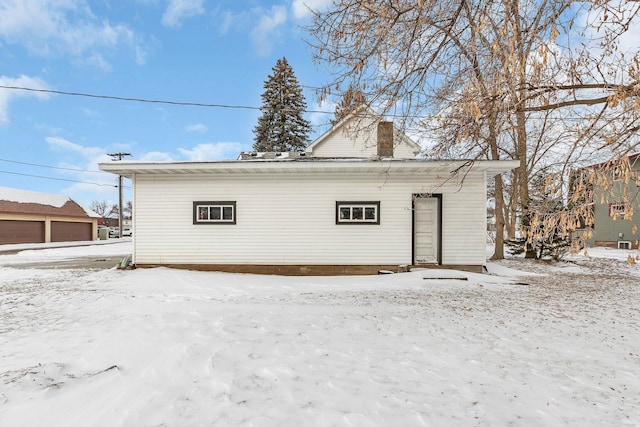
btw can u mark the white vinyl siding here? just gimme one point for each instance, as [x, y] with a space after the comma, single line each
[464, 216]
[291, 219]
[357, 139]
[342, 145]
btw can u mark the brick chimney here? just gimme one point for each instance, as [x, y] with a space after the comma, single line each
[385, 139]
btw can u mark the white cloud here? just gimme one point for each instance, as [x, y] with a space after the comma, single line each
[98, 61]
[267, 25]
[266, 32]
[239, 21]
[215, 151]
[177, 10]
[66, 145]
[302, 8]
[590, 33]
[81, 164]
[140, 55]
[227, 21]
[92, 114]
[629, 40]
[156, 156]
[7, 95]
[62, 27]
[198, 127]
[318, 118]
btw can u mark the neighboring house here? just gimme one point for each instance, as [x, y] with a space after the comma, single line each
[616, 220]
[33, 217]
[310, 214]
[127, 227]
[111, 222]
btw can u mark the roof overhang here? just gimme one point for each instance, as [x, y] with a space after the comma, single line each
[130, 168]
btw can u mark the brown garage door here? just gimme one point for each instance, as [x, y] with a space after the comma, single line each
[12, 232]
[70, 231]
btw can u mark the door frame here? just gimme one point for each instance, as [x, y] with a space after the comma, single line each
[438, 198]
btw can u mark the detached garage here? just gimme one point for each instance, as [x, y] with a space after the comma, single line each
[33, 217]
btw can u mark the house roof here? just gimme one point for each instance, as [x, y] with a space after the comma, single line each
[632, 158]
[253, 155]
[17, 201]
[363, 111]
[129, 168]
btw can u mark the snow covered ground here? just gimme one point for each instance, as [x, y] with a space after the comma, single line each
[531, 344]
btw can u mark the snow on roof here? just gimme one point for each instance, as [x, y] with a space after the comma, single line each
[90, 213]
[25, 196]
[266, 155]
[16, 195]
[308, 164]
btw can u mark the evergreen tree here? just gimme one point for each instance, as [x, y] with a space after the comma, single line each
[543, 234]
[281, 126]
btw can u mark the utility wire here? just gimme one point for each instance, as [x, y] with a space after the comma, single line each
[51, 167]
[198, 104]
[151, 101]
[58, 179]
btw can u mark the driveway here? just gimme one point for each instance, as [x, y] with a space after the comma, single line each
[88, 263]
[83, 255]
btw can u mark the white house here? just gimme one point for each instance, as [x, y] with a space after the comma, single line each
[338, 208]
[357, 136]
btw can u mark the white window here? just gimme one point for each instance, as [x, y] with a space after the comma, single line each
[617, 173]
[214, 212]
[617, 209]
[624, 244]
[357, 212]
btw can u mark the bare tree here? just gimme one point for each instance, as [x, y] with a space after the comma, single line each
[127, 209]
[104, 208]
[351, 100]
[544, 82]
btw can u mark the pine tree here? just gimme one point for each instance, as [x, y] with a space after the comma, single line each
[281, 126]
[543, 234]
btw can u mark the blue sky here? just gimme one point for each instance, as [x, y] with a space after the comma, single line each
[200, 51]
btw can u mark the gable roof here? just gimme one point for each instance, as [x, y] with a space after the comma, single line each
[362, 112]
[633, 158]
[17, 201]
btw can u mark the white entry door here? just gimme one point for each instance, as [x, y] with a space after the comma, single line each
[425, 228]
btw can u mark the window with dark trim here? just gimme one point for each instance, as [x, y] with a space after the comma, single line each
[357, 212]
[618, 173]
[618, 209]
[214, 212]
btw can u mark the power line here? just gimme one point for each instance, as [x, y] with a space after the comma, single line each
[58, 179]
[50, 167]
[245, 107]
[151, 101]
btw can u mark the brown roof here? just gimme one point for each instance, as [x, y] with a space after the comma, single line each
[70, 208]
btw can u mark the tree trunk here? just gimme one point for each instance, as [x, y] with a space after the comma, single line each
[499, 194]
[498, 253]
[523, 184]
[512, 212]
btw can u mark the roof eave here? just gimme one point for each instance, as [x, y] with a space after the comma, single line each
[128, 168]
